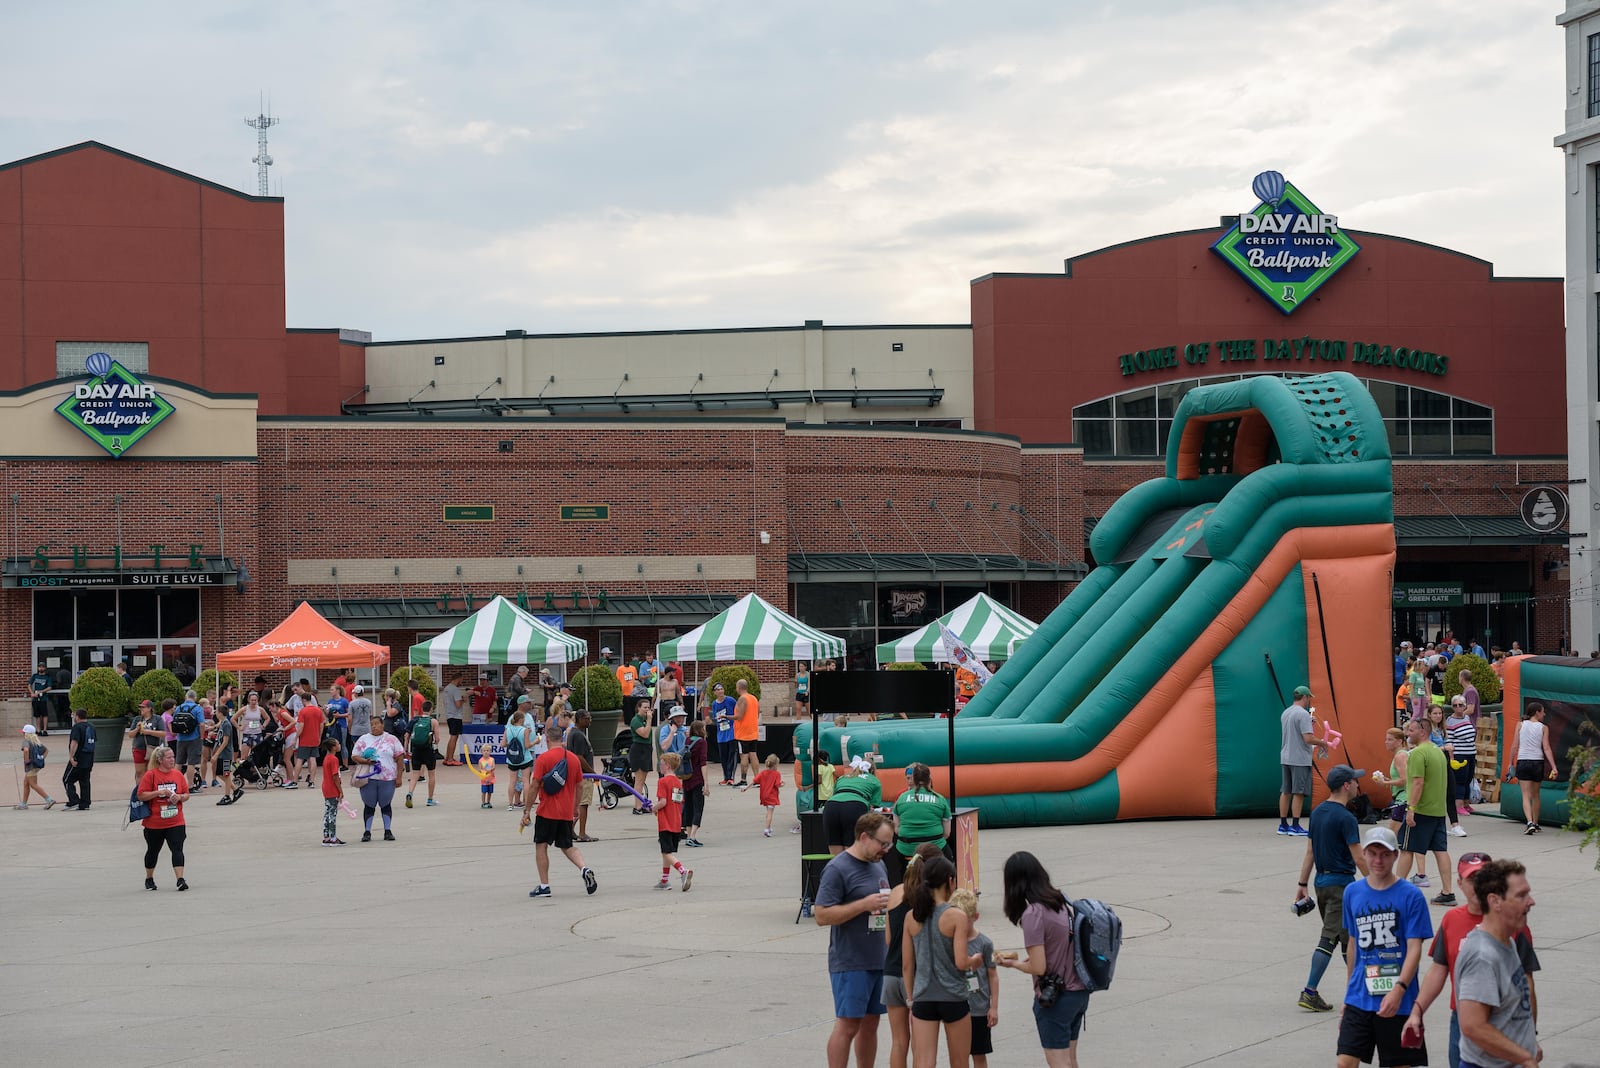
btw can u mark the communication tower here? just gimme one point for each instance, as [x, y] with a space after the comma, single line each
[262, 123]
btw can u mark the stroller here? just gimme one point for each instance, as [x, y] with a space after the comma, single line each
[262, 768]
[616, 766]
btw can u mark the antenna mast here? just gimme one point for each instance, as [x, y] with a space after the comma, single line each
[262, 123]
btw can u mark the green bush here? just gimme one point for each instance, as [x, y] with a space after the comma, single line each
[728, 674]
[206, 681]
[401, 676]
[1483, 677]
[102, 693]
[912, 666]
[597, 689]
[155, 686]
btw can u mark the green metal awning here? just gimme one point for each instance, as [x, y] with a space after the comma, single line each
[929, 567]
[1470, 530]
[429, 613]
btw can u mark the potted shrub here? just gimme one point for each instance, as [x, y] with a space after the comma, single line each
[1483, 677]
[156, 685]
[728, 674]
[596, 688]
[400, 677]
[103, 694]
[207, 681]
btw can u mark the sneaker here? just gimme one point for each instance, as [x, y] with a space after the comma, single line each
[183, 884]
[291, 786]
[540, 891]
[149, 884]
[1457, 831]
[664, 885]
[224, 800]
[366, 836]
[432, 803]
[216, 782]
[766, 832]
[1444, 899]
[1299, 832]
[327, 841]
[686, 878]
[795, 829]
[1310, 999]
[1534, 828]
[334, 842]
[20, 808]
[692, 843]
[74, 808]
[408, 800]
[589, 882]
[1283, 829]
[1420, 881]
[1466, 810]
[388, 836]
[49, 803]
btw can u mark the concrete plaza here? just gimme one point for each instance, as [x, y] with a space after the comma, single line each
[428, 950]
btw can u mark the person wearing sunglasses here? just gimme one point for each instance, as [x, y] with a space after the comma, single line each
[853, 899]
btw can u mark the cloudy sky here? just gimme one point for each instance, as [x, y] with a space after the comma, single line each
[463, 168]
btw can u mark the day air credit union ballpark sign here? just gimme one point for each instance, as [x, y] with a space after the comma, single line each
[115, 408]
[1286, 247]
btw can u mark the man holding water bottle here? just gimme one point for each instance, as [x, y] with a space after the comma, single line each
[853, 899]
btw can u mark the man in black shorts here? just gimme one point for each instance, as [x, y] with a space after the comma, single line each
[553, 825]
[424, 752]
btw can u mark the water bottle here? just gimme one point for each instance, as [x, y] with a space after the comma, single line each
[883, 888]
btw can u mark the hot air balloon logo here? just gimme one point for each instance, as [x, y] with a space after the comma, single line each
[1268, 187]
[98, 364]
[1285, 247]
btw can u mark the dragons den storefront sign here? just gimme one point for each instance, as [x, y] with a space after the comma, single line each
[1286, 247]
[115, 408]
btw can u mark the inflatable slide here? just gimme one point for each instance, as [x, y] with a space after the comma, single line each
[1262, 561]
[1569, 690]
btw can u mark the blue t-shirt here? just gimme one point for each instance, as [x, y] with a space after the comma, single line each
[38, 682]
[337, 707]
[1399, 670]
[853, 946]
[723, 706]
[199, 718]
[1380, 922]
[673, 739]
[1334, 830]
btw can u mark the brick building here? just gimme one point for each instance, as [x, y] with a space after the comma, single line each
[179, 501]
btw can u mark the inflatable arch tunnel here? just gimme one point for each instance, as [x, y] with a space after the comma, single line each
[1263, 560]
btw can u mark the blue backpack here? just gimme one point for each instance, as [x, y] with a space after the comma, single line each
[1096, 941]
[555, 780]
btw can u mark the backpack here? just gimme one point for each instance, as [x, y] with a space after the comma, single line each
[516, 748]
[1096, 941]
[184, 721]
[36, 754]
[555, 780]
[422, 731]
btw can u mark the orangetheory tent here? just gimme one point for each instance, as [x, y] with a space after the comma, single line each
[304, 640]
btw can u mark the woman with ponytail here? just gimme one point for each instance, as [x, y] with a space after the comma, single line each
[894, 986]
[935, 959]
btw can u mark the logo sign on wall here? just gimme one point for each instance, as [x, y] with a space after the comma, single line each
[1286, 247]
[115, 408]
[1544, 509]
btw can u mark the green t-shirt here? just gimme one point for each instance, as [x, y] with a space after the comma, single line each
[859, 788]
[920, 815]
[1428, 760]
[634, 724]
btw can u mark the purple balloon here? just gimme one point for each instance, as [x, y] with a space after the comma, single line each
[1268, 185]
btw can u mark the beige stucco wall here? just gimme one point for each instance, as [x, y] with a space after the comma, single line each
[199, 427]
[808, 358]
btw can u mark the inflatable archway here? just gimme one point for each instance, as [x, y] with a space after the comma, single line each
[1263, 560]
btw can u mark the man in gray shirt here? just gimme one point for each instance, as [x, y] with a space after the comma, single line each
[1493, 1001]
[1294, 760]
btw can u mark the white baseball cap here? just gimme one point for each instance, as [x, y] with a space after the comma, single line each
[29, 728]
[358, 688]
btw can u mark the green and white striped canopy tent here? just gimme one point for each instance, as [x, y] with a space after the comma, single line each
[990, 629]
[500, 633]
[752, 629]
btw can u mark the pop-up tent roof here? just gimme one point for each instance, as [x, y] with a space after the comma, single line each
[304, 640]
[752, 629]
[500, 633]
[990, 629]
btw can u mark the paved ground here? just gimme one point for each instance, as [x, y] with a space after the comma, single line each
[428, 950]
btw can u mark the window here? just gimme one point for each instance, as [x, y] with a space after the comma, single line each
[1419, 422]
[1594, 75]
[72, 356]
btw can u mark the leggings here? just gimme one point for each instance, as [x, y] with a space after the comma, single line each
[694, 805]
[330, 817]
[376, 794]
[172, 836]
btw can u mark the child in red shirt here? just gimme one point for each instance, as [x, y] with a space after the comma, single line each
[332, 791]
[769, 780]
[669, 821]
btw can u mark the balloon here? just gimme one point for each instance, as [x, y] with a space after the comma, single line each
[98, 364]
[1268, 185]
[1333, 738]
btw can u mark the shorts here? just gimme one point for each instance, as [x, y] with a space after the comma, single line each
[453, 724]
[140, 756]
[669, 841]
[552, 832]
[1361, 1031]
[225, 761]
[748, 747]
[1296, 779]
[1531, 770]
[1396, 812]
[41, 706]
[424, 756]
[187, 752]
[948, 1012]
[1060, 1023]
[639, 757]
[839, 821]
[857, 994]
[982, 1037]
[894, 991]
[1428, 836]
[1330, 902]
[307, 754]
[586, 793]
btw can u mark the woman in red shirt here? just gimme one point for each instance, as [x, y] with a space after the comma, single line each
[166, 789]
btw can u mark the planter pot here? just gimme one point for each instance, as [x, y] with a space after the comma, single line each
[108, 734]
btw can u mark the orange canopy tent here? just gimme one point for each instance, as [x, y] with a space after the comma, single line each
[304, 640]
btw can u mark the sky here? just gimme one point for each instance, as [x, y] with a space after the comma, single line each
[466, 168]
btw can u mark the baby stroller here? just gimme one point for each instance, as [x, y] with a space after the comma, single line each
[616, 766]
[262, 768]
